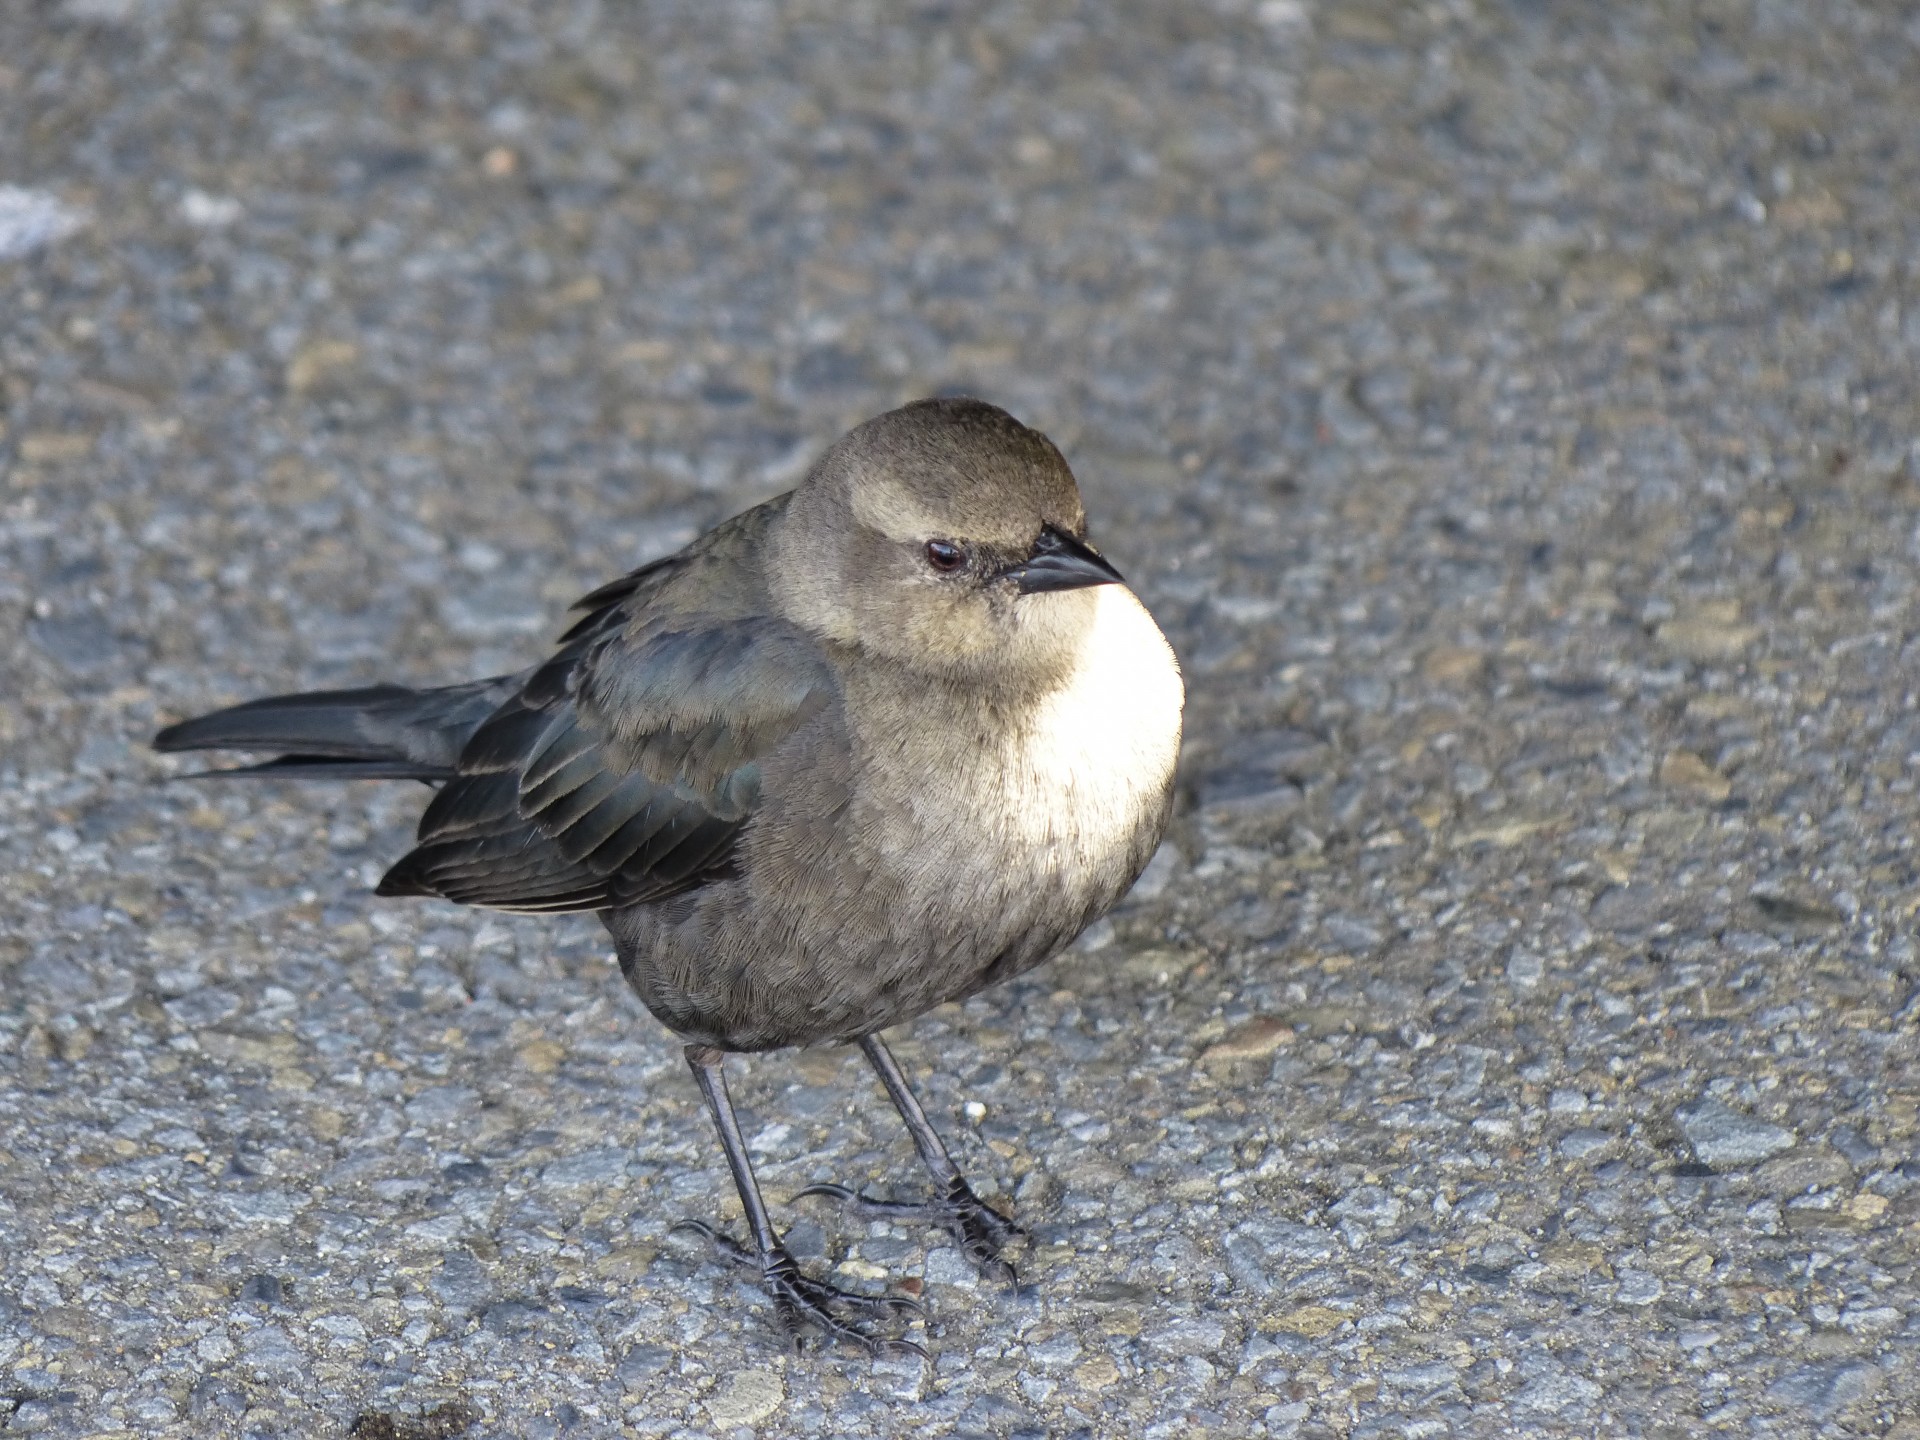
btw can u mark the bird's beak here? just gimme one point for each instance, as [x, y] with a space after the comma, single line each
[1060, 562]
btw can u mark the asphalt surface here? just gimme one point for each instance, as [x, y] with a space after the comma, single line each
[1510, 412]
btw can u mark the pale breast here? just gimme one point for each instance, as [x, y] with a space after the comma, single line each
[980, 815]
[1100, 750]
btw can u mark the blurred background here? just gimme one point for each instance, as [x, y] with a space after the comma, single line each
[1509, 410]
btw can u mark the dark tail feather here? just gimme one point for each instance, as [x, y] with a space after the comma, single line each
[324, 722]
[380, 732]
[323, 767]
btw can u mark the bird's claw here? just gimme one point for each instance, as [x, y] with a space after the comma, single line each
[801, 1302]
[981, 1231]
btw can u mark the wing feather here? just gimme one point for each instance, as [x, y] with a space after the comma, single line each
[626, 767]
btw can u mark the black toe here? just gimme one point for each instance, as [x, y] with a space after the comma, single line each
[981, 1232]
[801, 1303]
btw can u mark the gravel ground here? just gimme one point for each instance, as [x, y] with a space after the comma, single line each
[1510, 410]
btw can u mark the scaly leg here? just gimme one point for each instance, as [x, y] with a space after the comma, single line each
[797, 1300]
[981, 1231]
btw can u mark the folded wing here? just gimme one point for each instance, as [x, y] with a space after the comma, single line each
[624, 769]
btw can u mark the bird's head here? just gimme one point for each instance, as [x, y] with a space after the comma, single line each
[948, 536]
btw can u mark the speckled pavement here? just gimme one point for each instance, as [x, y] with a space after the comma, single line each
[1509, 410]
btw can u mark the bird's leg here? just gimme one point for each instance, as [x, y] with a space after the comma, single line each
[797, 1300]
[981, 1231]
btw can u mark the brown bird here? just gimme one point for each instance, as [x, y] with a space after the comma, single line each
[869, 747]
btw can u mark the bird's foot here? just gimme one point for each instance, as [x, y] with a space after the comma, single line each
[981, 1231]
[800, 1302]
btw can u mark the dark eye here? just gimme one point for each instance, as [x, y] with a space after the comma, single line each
[945, 556]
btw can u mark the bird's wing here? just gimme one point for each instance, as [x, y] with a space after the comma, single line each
[625, 768]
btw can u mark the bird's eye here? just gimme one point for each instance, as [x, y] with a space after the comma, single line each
[945, 556]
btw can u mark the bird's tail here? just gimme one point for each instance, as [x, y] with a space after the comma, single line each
[381, 732]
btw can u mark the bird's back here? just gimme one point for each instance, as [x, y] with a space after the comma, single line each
[721, 573]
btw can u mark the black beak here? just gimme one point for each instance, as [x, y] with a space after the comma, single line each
[1060, 562]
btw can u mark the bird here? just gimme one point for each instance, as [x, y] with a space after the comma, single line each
[871, 746]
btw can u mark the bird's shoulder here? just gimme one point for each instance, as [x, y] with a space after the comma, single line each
[694, 698]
